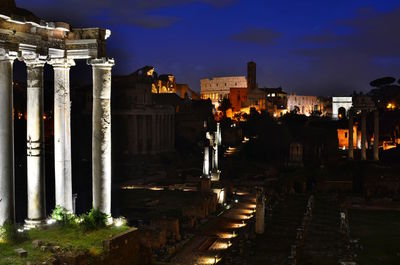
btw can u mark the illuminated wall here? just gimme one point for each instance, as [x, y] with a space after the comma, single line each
[343, 138]
[219, 87]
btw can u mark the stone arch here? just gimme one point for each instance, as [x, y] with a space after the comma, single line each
[342, 113]
[340, 102]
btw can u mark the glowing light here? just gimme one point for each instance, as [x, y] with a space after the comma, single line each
[118, 222]
[391, 106]
[51, 221]
[227, 235]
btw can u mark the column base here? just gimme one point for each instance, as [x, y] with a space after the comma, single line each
[215, 175]
[34, 223]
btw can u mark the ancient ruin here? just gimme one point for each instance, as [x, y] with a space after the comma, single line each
[36, 42]
[364, 105]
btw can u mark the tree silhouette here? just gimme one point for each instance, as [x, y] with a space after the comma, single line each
[225, 105]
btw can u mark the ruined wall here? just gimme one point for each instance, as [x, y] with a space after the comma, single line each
[169, 225]
[127, 248]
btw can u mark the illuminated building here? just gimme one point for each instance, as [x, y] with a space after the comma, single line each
[343, 138]
[304, 105]
[142, 126]
[184, 91]
[218, 88]
[238, 98]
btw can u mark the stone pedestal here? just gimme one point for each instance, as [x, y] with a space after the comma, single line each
[376, 135]
[62, 133]
[351, 130]
[7, 198]
[215, 175]
[364, 135]
[101, 136]
[35, 143]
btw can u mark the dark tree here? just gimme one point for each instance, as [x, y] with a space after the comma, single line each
[384, 81]
[225, 105]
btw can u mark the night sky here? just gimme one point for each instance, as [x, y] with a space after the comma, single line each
[308, 47]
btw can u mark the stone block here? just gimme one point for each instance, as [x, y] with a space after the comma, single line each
[21, 252]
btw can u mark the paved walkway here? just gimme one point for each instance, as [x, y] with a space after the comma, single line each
[323, 242]
[213, 238]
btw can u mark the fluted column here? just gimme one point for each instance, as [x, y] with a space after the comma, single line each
[35, 144]
[7, 197]
[376, 135]
[62, 133]
[101, 135]
[351, 130]
[363, 135]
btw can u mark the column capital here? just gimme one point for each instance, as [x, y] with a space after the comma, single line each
[6, 54]
[62, 63]
[107, 63]
[35, 63]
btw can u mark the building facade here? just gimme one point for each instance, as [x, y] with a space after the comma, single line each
[304, 105]
[219, 87]
[238, 98]
[142, 126]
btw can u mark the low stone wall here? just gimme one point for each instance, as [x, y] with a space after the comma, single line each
[127, 248]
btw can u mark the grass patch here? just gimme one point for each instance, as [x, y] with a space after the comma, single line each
[67, 237]
[379, 234]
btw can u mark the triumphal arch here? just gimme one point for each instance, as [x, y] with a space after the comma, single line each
[27, 38]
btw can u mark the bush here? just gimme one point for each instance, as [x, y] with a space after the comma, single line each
[93, 220]
[63, 216]
[10, 234]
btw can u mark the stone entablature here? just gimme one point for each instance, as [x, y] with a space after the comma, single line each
[218, 88]
[33, 37]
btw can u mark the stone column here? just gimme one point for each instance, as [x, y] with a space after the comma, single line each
[260, 213]
[7, 197]
[101, 135]
[206, 162]
[216, 144]
[364, 135]
[376, 135]
[219, 134]
[35, 144]
[351, 130]
[62, 133]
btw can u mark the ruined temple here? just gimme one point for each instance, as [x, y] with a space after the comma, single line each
[37, 42]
